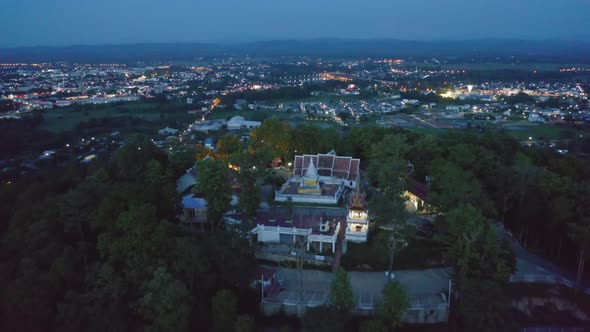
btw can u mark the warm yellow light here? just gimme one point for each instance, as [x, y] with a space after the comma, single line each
[447, 94]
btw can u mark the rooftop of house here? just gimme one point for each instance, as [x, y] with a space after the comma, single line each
[420, 189]
[191, 201]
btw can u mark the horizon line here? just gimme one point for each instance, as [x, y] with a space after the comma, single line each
[276, 40]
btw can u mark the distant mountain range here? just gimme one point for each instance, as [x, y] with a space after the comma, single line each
[529, 50]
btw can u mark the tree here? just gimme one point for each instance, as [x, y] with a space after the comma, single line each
[234, 258]
[165, 303]
[245, 323]
[341, 298]
[250, 194]
[388, 165]
[313, 139]
[228, 144]
[130, 162]
[191, 264]
[478, 257]
[213, 182]
[372, 325]
[393, 305]
[579, 230]
[275, 134]
[452, 186]
[485, 307]
[299, 248]
[224, 306]
[473, 246]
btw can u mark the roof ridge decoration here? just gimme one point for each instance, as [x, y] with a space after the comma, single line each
[357, 201]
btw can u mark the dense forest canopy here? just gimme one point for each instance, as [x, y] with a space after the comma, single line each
[98, 247]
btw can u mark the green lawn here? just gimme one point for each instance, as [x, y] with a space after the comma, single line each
[544, 132]
[502, 66]
[373, 255]
[521, 131]
[61, 120]
[429, 131]
[319, 98]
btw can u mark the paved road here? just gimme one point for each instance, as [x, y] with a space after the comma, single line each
[423, 286]
[529, 265]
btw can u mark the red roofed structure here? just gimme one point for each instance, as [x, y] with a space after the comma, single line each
[330, 165]
[320, 178]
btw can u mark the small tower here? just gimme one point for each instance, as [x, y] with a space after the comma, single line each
[311, 178]
[357, 226]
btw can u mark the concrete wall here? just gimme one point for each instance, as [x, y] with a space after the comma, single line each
[412, 316]
[275, 257]
[268, 236]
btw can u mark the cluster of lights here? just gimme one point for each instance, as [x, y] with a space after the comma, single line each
[573, 69]
[336, 77]
[391, 61]
[20, 64]
[233, 167]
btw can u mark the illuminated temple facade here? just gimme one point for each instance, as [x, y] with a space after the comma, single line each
[320, 179]
[357, 221]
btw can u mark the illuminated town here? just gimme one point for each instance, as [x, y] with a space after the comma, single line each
[316, 166]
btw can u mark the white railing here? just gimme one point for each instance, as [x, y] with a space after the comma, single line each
[356, 236]
[308, 198]
[361, 220]
[284, 230]
[322, 238]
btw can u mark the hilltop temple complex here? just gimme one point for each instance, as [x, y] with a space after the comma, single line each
[320, 179]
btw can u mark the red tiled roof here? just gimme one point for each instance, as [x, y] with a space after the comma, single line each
[417, 188]
[328, 165]
[325, 161]
[265, 273]
[303, 221]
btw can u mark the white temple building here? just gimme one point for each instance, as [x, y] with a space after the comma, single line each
[320, 179]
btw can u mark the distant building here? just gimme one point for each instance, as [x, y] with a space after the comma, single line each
[47, 154]
[194, 210]
[458, 108]
[167, 131]
[238, 122]
[208, 125]
[534, 117]
[210, 143]
[416, 196]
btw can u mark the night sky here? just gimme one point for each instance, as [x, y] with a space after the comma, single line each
[67, 22]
